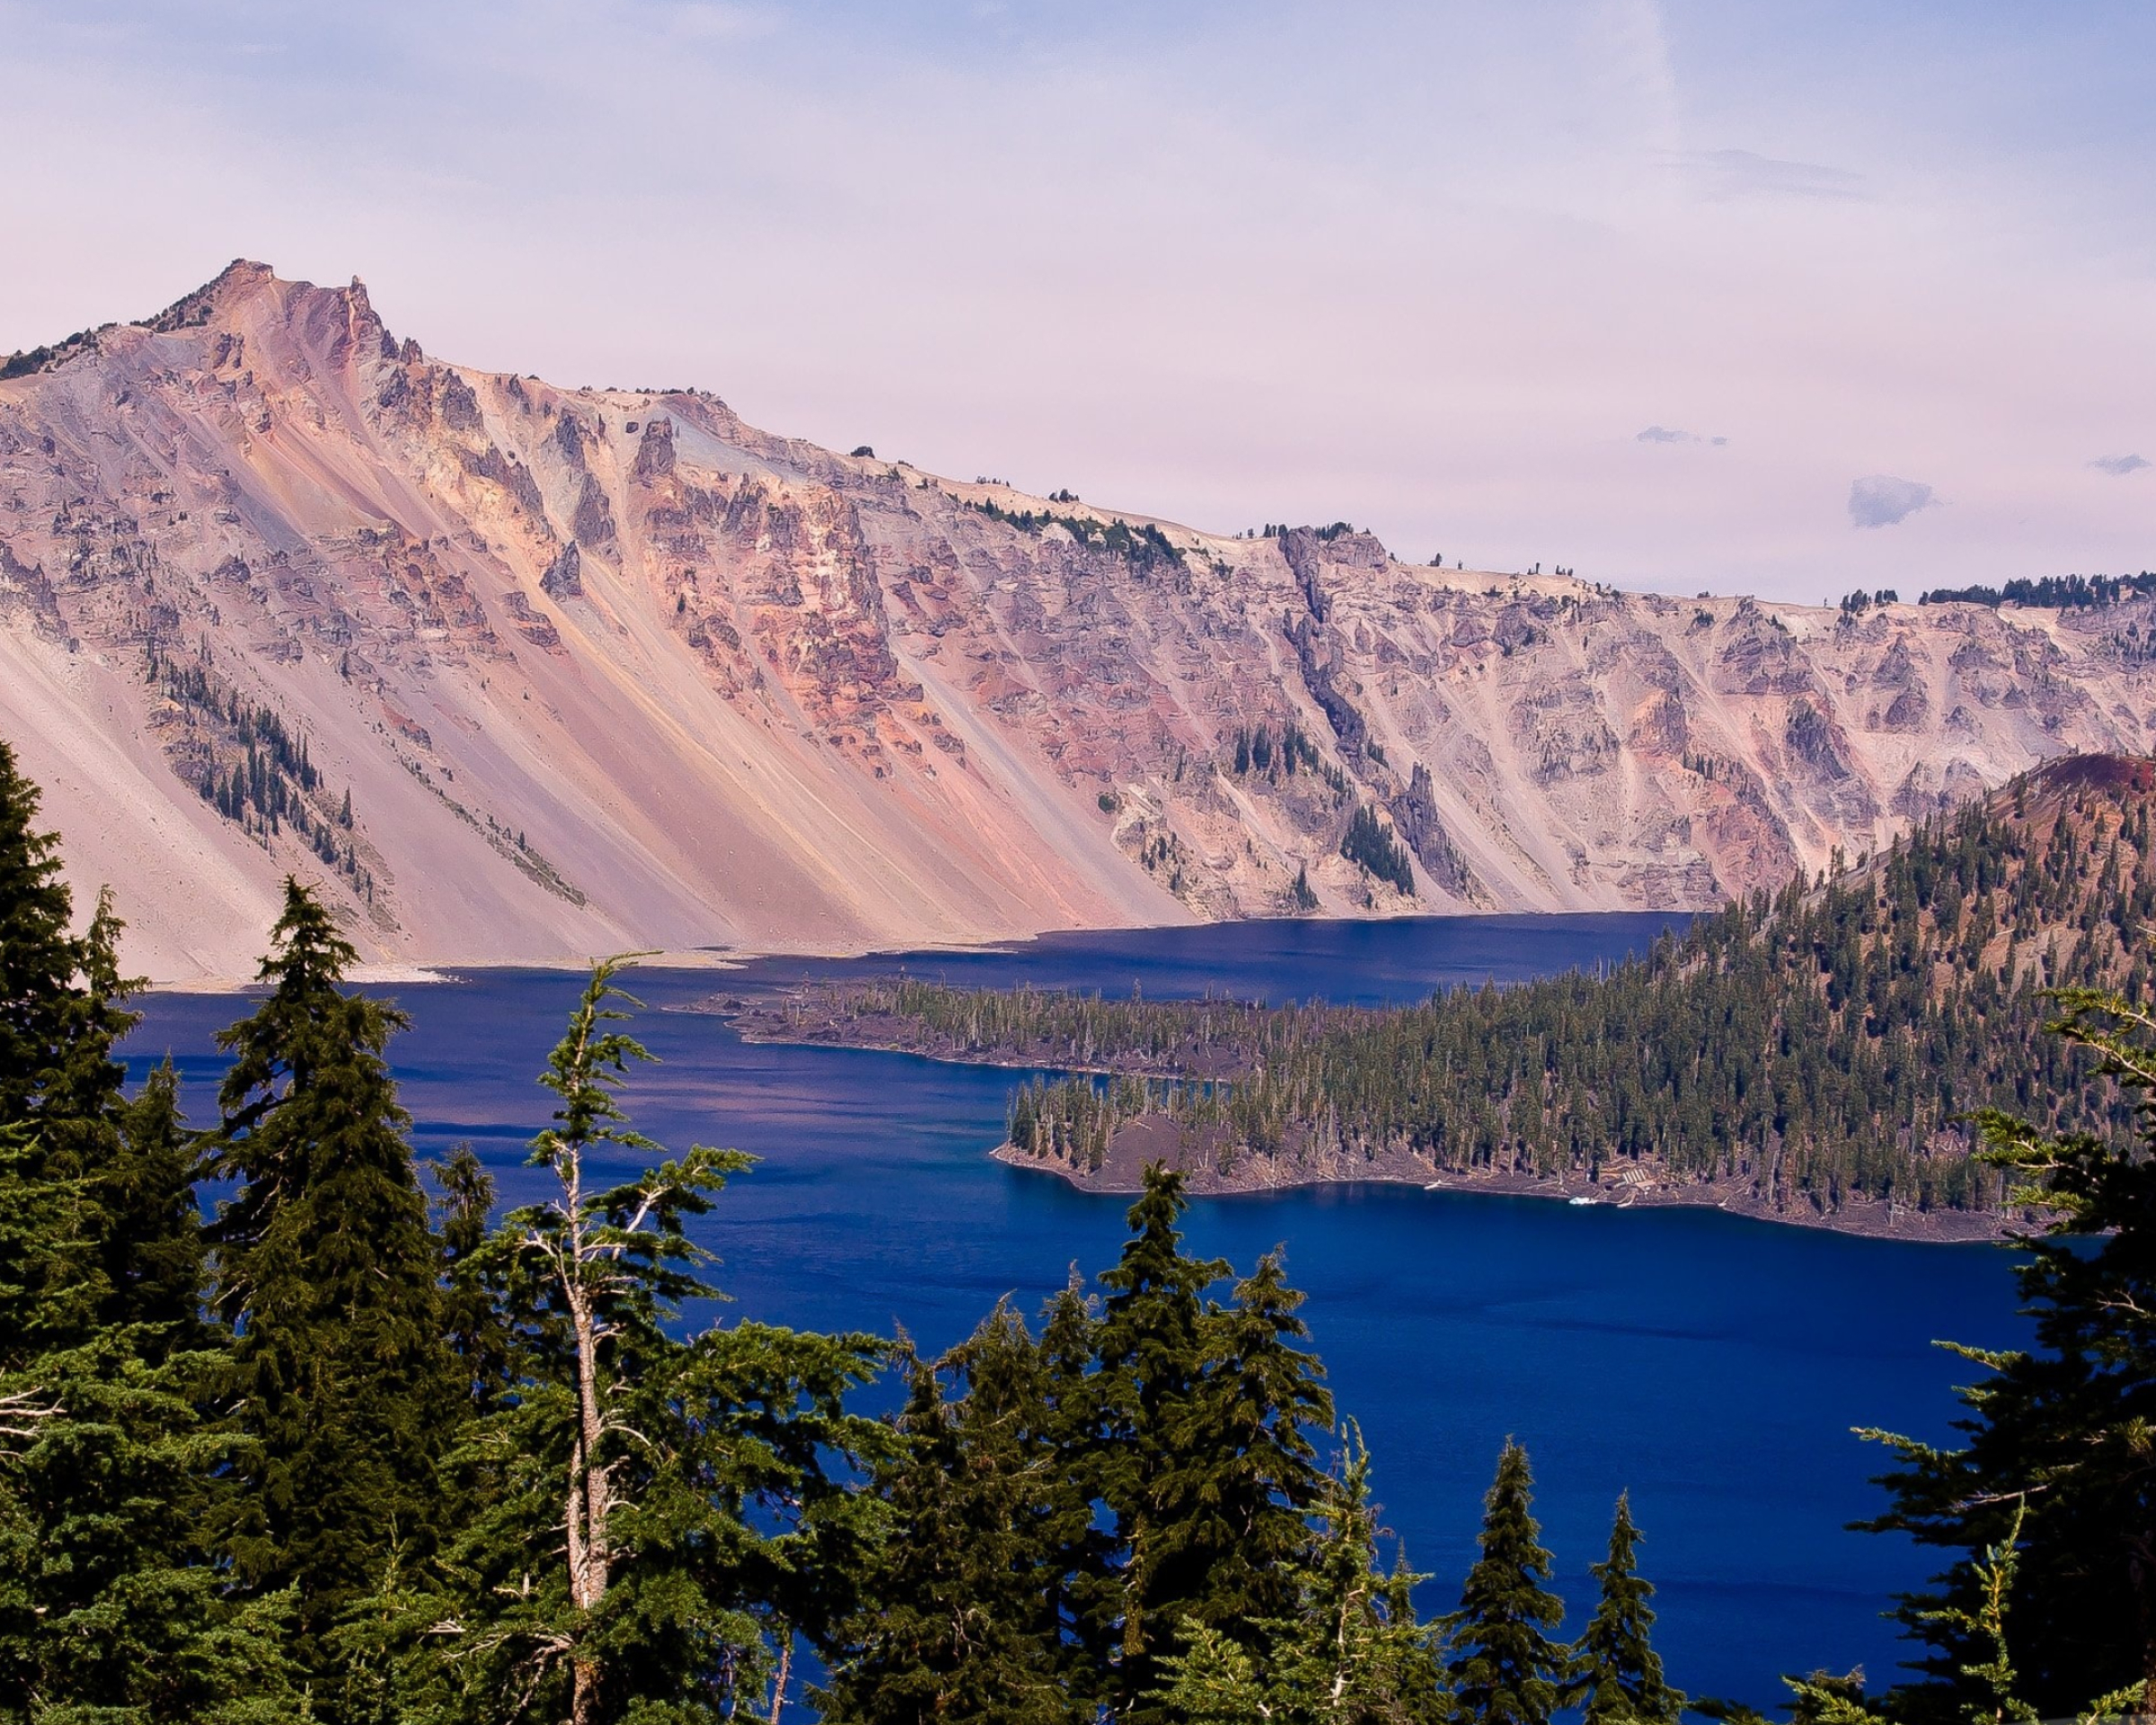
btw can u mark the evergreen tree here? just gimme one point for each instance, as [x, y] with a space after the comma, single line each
[1263, 1394]
[1504, 1668]
[151, 1244]
[1150, 1346]
[328, 1275]
[1350, 1650]
[659, 1517]
[2053, 1469]
[953, 1627]
[1616, 1671]
[110, 1608]
[39, 959]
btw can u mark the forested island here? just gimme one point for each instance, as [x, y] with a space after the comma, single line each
[293, 1427]
[1811, 1056]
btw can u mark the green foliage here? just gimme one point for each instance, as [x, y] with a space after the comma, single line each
[657, 1516]
[1615, 1670]
[327, 1273]
[39, 960]
[1371, 845]
[1348, 1649]
[1824, 1044]
[1505, 1667]
[959, 1620]
[2047, 1497]
[2049, 592]
[1145, 547]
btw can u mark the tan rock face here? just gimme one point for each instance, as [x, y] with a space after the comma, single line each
[522, 673]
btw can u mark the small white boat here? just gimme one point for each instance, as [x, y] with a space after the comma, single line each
[1583, 1200]
[1435, 1186]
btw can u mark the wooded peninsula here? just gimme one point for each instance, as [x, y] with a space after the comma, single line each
[1816, 1055]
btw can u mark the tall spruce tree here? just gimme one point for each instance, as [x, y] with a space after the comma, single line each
[1505, 1667]
[1202, 1449]
[1616, 1672]
[1150, 1345]
[38, 958]
[2053, 1468]
[328, 1275]
[1264, 1396]
[111, 1607]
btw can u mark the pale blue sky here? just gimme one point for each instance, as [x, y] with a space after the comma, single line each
[1432, 268]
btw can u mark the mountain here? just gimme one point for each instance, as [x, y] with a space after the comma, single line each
[1810, 1056]
[525, 673]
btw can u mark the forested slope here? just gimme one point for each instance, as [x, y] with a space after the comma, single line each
[1805, 1053]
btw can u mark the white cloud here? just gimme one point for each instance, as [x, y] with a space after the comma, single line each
[1881, 500]
[1665, 434]
[1743, 173]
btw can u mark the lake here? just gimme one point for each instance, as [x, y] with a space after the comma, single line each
[1712, 1365]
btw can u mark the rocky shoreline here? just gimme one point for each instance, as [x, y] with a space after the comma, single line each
[1865, 1218]
[1151, 1140]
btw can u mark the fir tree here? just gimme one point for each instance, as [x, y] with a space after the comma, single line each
[110, 1606]
[953, 1629]
[38, 957]
[2053, 1468]
[1504, 1668]
[1616, 1671]
[1150, 1345]
[151, 1242]
[328, 1274]
[1264, 1392]
[661, 1516]
[1349, 1649]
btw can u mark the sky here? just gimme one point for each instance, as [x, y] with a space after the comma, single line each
[1785, 298]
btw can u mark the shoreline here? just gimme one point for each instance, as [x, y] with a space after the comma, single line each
[1149, 1140]
[1864, 1219]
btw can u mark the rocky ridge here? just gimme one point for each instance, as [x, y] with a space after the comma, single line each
[522, 673]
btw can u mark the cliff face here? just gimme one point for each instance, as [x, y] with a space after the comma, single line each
[524, 673]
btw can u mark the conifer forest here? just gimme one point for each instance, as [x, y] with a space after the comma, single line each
[1830, 1042]
[295, 1428]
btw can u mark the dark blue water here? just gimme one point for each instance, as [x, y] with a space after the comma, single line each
[1712, 1365]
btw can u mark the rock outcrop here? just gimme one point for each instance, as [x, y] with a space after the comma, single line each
[557, 671]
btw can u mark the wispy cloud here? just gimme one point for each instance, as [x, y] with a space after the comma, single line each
[1669, 434]
[2119, 466]
[1744, 174]
[1881, 500]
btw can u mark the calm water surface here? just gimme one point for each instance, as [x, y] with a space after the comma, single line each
[1712, 1365]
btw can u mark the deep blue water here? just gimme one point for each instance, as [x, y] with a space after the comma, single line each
[1713, 1366]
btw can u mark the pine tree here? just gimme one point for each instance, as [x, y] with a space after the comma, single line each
[1348, 1650]
[1150, 1345]
[661, 1516]
[1249, 1435]
[152, 1247]
[39, 959]
[2054, 1449]
[953, 1628]
[1504, 1668]
[328, 1275]
[111, 1604]
[1616, 1671]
